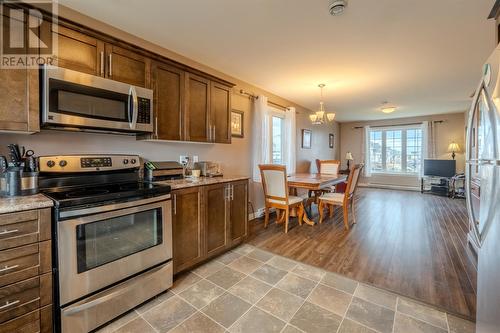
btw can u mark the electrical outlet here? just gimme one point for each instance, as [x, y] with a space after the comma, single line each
[184, 159]
[195, 158]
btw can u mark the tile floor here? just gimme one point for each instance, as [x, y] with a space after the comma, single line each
[251, 290]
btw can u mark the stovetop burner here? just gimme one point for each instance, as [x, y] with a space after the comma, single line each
[102, 194]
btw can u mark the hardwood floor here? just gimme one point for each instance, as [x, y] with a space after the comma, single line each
[406, 242]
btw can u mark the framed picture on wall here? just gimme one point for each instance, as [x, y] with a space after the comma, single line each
[331, 140]
[306, 138]
[237, 123]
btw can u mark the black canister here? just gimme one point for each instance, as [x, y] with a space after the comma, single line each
[13, 181]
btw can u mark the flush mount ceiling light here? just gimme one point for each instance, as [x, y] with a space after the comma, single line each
[337, 7]
[320, 116]
[386, 108]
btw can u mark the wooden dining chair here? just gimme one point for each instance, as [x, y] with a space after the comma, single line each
[275, 184]
[346, 199]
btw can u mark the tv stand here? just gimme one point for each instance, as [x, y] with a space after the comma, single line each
[435, 185]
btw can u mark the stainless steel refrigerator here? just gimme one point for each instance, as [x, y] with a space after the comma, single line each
[483, 192]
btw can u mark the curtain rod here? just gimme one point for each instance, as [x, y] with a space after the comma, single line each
[252, 96]
[409, 124]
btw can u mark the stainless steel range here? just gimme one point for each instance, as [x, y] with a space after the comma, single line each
[113, 237]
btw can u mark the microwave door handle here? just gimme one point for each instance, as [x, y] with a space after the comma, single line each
[133, 108]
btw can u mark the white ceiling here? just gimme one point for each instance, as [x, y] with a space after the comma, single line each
[423, 56]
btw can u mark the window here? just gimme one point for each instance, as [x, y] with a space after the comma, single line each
[277, 139]
[396, 150]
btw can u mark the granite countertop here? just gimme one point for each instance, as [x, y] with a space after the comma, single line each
[17, 204]
[202, 181]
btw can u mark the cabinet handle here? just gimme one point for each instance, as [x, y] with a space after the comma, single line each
[213, 136]
[156, 127]
[8, 304]
[8, 268]
[110, 65]
[102, 63]
[175, 204]
[232, 192]
[6, 232]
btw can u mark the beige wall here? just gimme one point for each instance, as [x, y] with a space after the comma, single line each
[235, 158]
[452, 129]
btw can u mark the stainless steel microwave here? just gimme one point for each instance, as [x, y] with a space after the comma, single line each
[73, 99]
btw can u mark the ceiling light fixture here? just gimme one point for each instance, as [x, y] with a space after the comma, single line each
[320, 116]
[386, 108]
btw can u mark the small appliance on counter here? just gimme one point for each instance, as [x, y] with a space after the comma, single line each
[209, 169]
[168, 170]
[20, 176]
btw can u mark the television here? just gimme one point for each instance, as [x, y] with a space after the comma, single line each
[440, 168]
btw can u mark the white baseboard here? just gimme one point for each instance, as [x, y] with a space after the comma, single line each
[390, 187]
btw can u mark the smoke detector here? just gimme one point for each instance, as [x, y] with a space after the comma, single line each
[337, 7]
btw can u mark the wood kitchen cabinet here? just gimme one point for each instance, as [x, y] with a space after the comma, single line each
[126, 66]
[187, 228]
[87, 54]
[197, 109]
[26, 261]
[220, 112]
[238, 212]
[18, 94]
[79, 52]
[215, 219]
[168, 84]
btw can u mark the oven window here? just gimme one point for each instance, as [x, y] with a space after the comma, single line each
[108, 240]
[91, 106]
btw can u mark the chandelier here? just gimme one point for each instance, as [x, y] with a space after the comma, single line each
[320, 116]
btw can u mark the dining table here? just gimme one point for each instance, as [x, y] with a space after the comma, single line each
[314, 183]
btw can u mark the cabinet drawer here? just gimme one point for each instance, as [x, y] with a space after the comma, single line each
[24, 262]
[17, 229]
[26, 296]
[38, 321]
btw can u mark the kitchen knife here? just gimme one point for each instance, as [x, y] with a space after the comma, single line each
[3, 164]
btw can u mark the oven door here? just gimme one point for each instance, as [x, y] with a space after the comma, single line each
[74, 99]
[96, 251]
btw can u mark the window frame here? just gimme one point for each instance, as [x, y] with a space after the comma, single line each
[404, 151]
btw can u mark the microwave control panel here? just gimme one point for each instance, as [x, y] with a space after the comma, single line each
[144, 111]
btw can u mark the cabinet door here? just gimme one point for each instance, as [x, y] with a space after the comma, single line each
[19, 91]
[187, 228]
[220, 113]
[80, 52]
[126, 66]
[197, 113]
[169, 98]
[239, 211]
[216, 216]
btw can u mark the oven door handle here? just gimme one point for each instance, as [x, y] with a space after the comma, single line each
[133, 107]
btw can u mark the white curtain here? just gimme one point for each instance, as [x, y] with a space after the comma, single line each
[290, 140]
[428, 142]
[365, 151]
[261, 141]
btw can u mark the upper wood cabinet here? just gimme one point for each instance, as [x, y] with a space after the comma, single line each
[19, 96]
[127, 66]
[198, 127]
[87, 54]
[80, 52]
[220, 112]
[168, 84]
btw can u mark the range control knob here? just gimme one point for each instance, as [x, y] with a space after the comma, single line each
[63, 163]
[133, 161]
[125, 161]
[51, 163]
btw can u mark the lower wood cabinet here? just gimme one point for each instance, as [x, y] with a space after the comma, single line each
[26, 276]
[207, 221]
